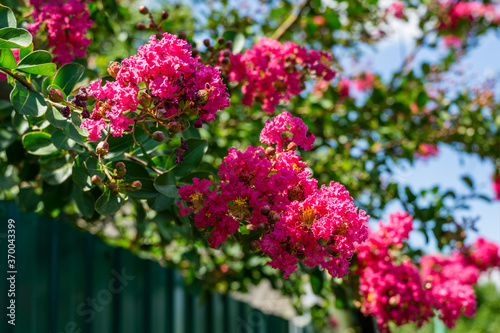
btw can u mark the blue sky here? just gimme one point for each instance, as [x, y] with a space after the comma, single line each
[450, 165]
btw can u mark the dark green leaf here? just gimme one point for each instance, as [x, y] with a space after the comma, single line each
[166, 185]
[27, 102]
[84, 202]
[38, 143]
[68, 76]
[193, 157]
[160, 203]
[7, 18]
[468, 181]
[27, 199]
[55, 117]
[108, 204]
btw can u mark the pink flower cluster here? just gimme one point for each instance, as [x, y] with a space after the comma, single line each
[177, 81]
[272, 72]
[451, 278]
[426, 150]
[394, 290]
[65, 23]
[455, 12]
[270, 194]
[391, 291]
[496, 186]
[397, 9]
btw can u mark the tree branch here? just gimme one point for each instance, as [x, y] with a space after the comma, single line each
[19, 78]
[290, 21]
[138, 160]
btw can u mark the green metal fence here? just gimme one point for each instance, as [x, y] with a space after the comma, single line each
[71, 282]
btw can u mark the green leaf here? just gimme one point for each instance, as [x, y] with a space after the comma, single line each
[7, 59]
[55, 117]
[411, 197]
[7, 18]
[62, 142]
[24, 51]
[244, 230]
[239, 42]
[317, 279]
[468, 181]
[193, 156]
[38, 143]
[108, 204]
[58, 176]
[166, 185]
[27, 102]
[27, 199]
[14, 38]
[84, 201]
[68, 76]
[80, 175]
[38, 63]
[160, 203]
[74, 133]
[46, 83]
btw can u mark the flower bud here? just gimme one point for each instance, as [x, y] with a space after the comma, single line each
[96, 180]
[113, 187]
[225, 61]
[102, 148]
[255, 246]
[198, 123]
[136, 185]
[55, 95]
[174, 127]
[85, 114]
[164, 15]
[195, 52]
[66, 111]
[263, 227]
[273, 217]
[182, 35]
[226, 54]
[229, 44]
[270, 151]
[140, 26]
[145, 99]
[113, 69]
[120, 169]
[221, 41]
[158, 136]
[143, 10]
[265, 210]
[152, 26]
[206, 42]
[292, 146]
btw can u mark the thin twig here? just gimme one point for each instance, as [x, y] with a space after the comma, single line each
[138, 160]
[290, 21]
[19, 78]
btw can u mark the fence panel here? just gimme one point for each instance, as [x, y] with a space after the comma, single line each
[69, 281]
